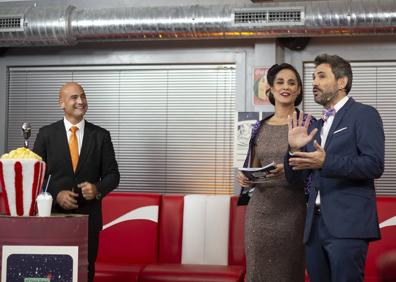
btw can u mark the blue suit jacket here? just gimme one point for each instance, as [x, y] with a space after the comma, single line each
[354, 158]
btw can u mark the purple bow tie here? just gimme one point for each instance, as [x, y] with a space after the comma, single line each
[328, 113]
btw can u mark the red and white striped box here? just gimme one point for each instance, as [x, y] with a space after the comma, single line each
[20, 181]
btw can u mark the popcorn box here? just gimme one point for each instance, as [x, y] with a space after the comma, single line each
[20, 181]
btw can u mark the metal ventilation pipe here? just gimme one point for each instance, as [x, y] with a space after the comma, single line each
[32, 26]
[35, 26]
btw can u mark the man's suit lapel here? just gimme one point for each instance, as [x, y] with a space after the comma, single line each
[337, 120]
[87, 142]
[61, 141]
[317, 137]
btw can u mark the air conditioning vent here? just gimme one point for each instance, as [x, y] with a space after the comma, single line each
[11, 24]
[250, 17]
[269, 16]
[284, 16]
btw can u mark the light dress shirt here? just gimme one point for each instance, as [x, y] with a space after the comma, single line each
[325, 132]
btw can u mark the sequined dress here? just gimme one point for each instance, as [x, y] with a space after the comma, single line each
[275, 218]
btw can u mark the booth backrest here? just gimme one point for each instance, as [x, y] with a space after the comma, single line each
[2, 210]
[147, 228]
[236, 249]
[153, 228]
[170, 228]
[206, 221]
[130, 231]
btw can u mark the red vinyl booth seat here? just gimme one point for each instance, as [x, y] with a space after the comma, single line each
[170, 228]
[133, 248]
[112, 272]
[2, 209]
[236, 251]
[192, 273]
[170, 267]
[387, 267]
[386, 207]
[129, 239]
[142, 240]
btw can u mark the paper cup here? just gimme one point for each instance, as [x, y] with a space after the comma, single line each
[44, 204]
[20, 181]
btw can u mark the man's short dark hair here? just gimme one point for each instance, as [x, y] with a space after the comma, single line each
[339, 66]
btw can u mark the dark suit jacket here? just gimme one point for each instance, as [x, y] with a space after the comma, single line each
[97, 164]
[354, 158]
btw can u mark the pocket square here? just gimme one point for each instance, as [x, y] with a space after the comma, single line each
[339, 130]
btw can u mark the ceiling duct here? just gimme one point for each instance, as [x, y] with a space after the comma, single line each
[30, 25]
[268, 16]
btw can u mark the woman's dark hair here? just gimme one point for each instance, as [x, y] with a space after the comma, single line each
[271, 74]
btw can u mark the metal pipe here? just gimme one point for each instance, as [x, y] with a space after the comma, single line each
[70, 25]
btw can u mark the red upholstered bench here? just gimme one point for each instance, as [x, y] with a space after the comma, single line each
[387, 267]
[387, 219]
[129, 239]
[191, 272]
[138, 244]
[143, 238]
[170, 266]
[2, 210]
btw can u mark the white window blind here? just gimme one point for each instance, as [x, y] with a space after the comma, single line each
[374, 83]
[171, 126]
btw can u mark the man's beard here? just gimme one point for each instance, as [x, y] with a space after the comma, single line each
[326, 97]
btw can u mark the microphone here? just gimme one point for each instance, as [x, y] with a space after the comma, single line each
[26, 131]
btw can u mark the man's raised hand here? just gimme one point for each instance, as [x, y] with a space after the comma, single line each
[298, 131]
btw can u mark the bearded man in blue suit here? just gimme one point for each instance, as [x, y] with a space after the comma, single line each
[343, 155]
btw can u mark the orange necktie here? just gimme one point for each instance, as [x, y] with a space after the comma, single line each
[73, 146]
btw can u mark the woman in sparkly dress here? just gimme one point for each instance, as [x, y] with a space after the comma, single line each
[275, 215]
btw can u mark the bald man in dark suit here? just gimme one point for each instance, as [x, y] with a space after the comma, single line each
[79, 180]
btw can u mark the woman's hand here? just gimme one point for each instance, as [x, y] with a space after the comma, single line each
[278, 171]
[243, 180]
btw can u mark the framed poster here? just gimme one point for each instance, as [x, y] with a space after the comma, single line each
[260, 86]
[39, 264]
